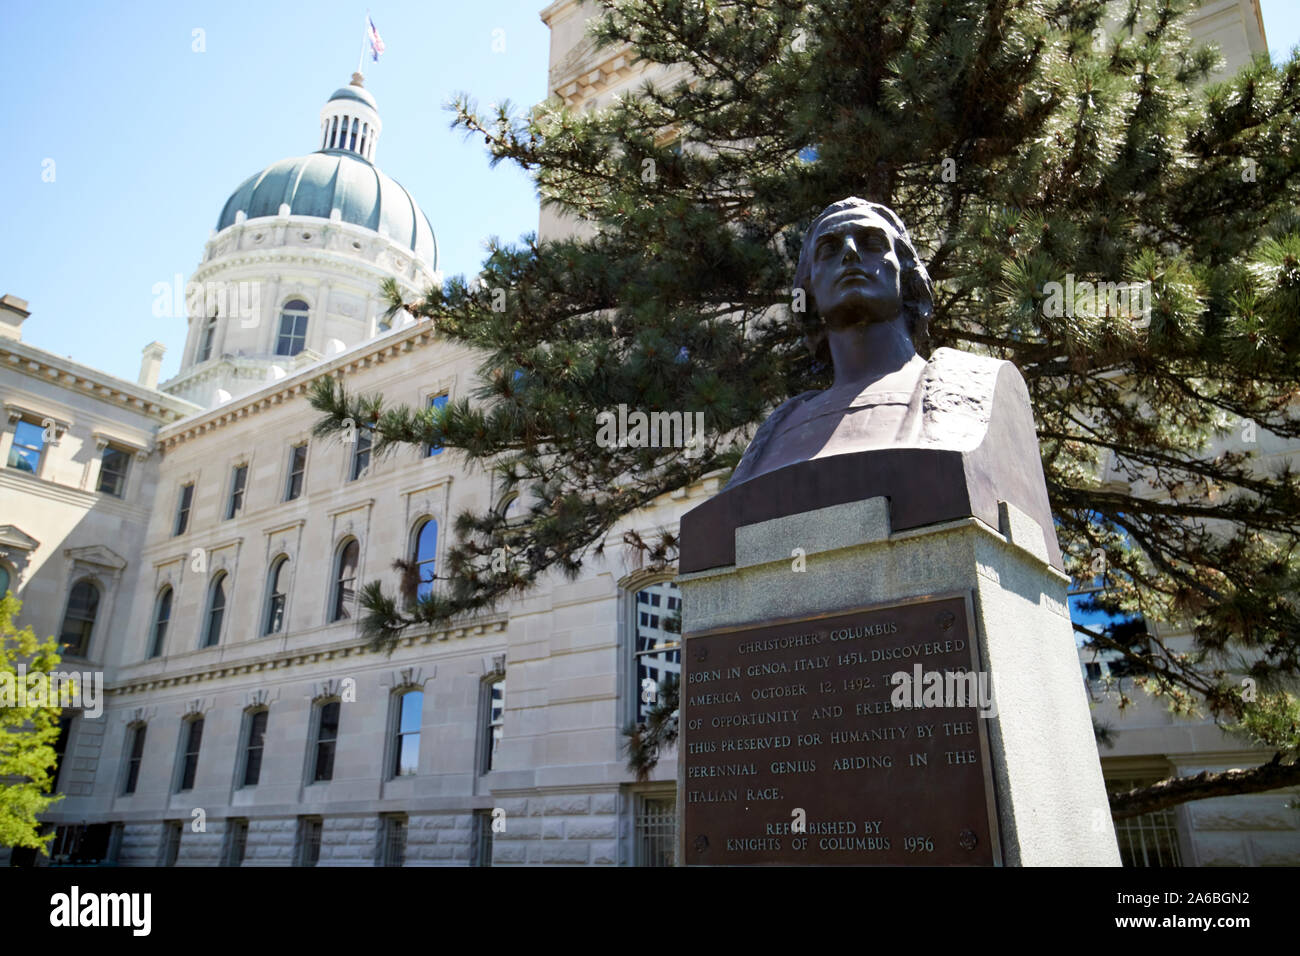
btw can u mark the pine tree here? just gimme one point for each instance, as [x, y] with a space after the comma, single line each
[1029, 146]
[26, 734]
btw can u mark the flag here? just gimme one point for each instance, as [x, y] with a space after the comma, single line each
[376, 43]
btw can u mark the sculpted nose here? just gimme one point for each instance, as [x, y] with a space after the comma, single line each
[851, 253]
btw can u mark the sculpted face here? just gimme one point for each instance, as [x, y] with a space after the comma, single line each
[855, 276]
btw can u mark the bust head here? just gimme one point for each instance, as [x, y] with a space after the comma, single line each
[858, 266]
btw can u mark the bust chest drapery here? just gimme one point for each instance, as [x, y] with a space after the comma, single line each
[947, 405]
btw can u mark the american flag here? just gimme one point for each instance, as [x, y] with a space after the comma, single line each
[376, 43]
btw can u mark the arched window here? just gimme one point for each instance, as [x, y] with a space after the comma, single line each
[162, 615]
[4, 580]
[365, 130]
[216, 611]
[656, 657]
[276, 595]
[345, 580]
[334, 132]
[293, 328]
[79, 618]
[352, 145]
[207, 337]
[424, 555]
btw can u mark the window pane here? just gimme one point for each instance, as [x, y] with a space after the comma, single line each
[253, 757]
[361, 455]
[297, 468]
[25, 453]
[162, 617]
[183, 509]
[426, 552]
[79, 620]
[112, 471]
[191, 765]
[216, 612]
[293, 328]
[657, 649]
[408, 754]
[345, 584]
[438, 401]
[412, 705]
[237, 482]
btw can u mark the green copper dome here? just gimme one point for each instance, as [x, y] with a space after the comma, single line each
[336, 179]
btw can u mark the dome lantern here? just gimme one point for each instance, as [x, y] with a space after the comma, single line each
[349, 121]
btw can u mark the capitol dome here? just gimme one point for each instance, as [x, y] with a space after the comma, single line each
[339, 176]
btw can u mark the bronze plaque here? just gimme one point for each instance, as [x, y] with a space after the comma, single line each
[794, 753]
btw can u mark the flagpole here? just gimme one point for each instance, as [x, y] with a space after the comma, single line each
[365, 35]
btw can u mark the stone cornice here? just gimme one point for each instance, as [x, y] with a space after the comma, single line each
[279, 660]
[313, 259]
[352, 261]
[375, 352]
[92, 382]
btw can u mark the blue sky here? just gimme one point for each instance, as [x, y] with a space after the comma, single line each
[148, 138]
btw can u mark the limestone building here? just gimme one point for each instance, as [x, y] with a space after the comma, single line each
[197, 545]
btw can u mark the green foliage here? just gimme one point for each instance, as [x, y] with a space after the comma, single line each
[1020, 149]
[26, 736]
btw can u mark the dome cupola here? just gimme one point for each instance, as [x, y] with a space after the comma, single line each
[349, 121]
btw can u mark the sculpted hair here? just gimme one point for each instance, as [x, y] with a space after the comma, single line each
[916, 289]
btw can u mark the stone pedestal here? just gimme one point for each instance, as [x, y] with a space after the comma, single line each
[1029, 777]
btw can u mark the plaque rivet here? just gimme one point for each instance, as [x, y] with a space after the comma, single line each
[702, 654]
[701, 843]
[968, 840]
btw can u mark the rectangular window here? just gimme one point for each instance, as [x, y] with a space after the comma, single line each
[309, 836]
[171, 845]
[112, 471]
[493, 717]
[237, 481]
[29, 444]
[656, 830]
[327, 733]
[86, 844]
[183, 509]
[190, 755]
[238, 842]
[439, 402]
[297, 470]
[361, 454]
[394, 837]
[134, 756]
[482, 838]
[1150, 839]
[656, 653]
[406, 745]
[253, 746]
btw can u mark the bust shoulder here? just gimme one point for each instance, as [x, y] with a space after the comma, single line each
[745, 468]
[957, 396]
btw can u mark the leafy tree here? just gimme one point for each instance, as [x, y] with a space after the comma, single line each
[1024, 143]
[26, 735]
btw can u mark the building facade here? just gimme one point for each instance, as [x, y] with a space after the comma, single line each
[199, 546]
